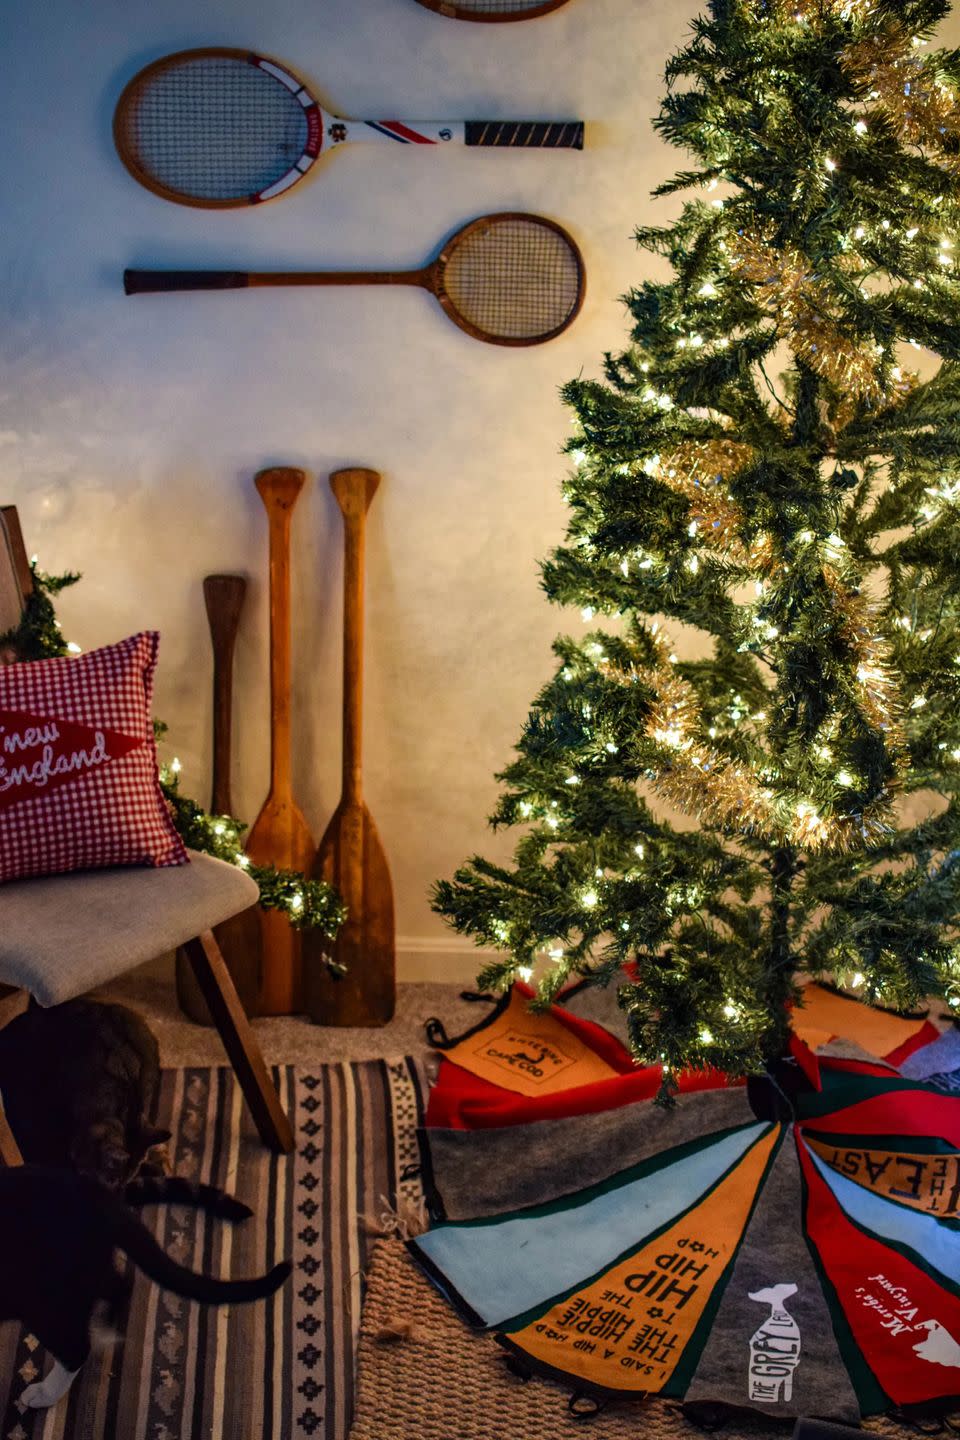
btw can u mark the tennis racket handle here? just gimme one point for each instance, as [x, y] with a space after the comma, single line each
[146, 282]
[541, 134]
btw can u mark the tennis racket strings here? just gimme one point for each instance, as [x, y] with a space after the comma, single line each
[514, 280]
[213, 129]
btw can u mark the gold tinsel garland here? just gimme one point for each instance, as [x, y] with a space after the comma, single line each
[698, 470]
[697, 779]
[922, 110]
[801, 305]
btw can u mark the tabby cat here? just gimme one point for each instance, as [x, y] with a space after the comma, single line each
[79, 1083]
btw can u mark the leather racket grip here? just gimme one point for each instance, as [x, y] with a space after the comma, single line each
[146, 282]
[542, 134]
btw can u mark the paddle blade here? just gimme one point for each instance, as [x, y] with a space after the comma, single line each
[352, 857]
[280, 836]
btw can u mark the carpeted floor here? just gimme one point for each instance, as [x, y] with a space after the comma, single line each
[289, 1040]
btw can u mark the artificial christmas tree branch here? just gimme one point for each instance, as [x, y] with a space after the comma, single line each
[771, 463]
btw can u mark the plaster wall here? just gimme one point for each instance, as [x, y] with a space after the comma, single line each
[131, 428]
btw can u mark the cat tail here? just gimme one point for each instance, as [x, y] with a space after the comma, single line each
[135, 1240]
[176, 1190]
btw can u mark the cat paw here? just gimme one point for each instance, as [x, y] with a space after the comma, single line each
[37, 1397]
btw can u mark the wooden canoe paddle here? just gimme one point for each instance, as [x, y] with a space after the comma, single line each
[350, 854]
[280, 835]
[239, 937]
[224, 596]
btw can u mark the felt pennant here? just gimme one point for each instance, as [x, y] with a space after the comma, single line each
[516, 1067]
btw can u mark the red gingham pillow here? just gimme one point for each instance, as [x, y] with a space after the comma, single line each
[78, 764]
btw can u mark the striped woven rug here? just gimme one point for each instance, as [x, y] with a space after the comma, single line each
[280, 1369]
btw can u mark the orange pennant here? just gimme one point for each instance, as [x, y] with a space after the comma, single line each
[532, 1054]
[628, 1329]
[924, 1182]
[822, 1016]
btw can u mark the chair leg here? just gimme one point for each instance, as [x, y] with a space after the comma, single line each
[239, 1041]
[9, 1149]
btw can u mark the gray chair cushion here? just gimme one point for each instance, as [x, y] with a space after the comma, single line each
[60, 936]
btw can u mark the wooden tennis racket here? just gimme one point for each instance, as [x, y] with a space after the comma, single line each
[222, 128]
[509, 279]
[495, 10]
[351, 855]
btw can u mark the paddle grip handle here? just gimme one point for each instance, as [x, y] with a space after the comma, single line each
[148, 282]
[354, 489]
[537, 134]
[224, 596]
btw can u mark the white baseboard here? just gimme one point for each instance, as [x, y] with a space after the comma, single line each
[420, 959]
[433, 958]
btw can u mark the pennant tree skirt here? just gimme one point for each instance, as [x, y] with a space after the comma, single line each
[757, 1251]
[280, 1369]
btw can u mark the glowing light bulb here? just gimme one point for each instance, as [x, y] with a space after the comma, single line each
[589, 899]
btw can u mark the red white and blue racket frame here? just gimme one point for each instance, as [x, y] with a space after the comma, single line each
[328, 132]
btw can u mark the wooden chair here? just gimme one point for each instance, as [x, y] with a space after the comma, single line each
[63, 935]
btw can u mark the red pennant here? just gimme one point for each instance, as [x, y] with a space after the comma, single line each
[42, 753]
[904, 1323]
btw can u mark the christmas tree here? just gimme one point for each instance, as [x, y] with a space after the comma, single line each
[773, 464]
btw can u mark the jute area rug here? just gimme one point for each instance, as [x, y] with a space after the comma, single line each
[423, 1374]
[280, 1369]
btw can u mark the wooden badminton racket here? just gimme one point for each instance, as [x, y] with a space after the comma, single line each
[493, 10]
[509, 279]
[223, 128]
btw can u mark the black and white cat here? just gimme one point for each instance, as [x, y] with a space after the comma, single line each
[59, 1232]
